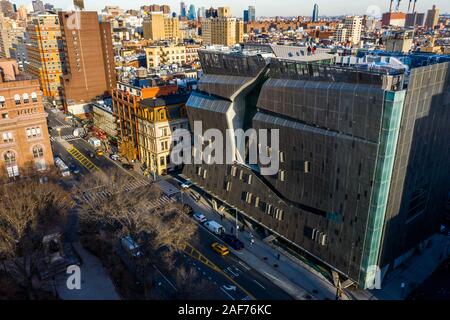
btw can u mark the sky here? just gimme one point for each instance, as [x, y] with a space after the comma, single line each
[264, 7]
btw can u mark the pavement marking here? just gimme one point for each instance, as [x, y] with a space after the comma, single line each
[259, 284]
[170, 283]
[85, 162]
[231, 297]
[246, 267]
[196, 254]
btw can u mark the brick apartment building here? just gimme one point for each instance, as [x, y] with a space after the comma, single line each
[88, 56]
[24, 138]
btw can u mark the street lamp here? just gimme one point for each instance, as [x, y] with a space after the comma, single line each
[237, 226]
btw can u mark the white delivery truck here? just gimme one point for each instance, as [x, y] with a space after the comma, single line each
[79, 132]
[95, 142]
[214, 227]
[63, 168]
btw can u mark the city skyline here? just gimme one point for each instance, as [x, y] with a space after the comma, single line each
[264, 8]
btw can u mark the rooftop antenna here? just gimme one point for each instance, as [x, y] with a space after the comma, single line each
[390, 6]
[409, 5]
[414, 6]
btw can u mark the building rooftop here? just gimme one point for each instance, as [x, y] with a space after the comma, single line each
[165, 100]
[105, 104]
[411, 60]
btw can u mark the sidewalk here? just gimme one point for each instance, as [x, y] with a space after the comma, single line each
[418, 268]
[287, 274]
[95, 281]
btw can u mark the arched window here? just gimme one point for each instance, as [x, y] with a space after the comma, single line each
[38, 152]
[17, 98]
[34, 97]
[2, 101]
[10, 158]
[162, 115]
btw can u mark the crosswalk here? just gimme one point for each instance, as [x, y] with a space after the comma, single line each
[136, 184]
[67, 137]
[64, 126]
[102, 195]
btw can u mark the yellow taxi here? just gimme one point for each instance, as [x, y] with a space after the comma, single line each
[100, 153]
[220, 249]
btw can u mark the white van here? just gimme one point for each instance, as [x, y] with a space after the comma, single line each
[214, 227]
[131, 246]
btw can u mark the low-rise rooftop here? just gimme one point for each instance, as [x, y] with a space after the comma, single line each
[165, 100]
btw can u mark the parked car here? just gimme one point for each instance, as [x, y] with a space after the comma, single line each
[74, 168]
[99, 152]
[220, 248]
[199, 217]
[128, 167]
[114, 157]
[194, 196]
[214, 227]
[232, 241]
[186, 185]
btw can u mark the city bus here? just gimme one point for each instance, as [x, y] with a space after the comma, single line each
[63, 168]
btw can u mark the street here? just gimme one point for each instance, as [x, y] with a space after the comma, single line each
[233, 279]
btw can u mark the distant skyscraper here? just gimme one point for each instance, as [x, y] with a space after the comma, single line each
[38, 6]
[432, 18]
[183, 9]
[251, 13]
[192, 15]
[201, 12]
[315, 15]
[245, 15]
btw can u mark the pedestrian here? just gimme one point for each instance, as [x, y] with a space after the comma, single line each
[278, 256]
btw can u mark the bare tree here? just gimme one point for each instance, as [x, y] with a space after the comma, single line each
[191, 286]
[159, 232]
[29, 209]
